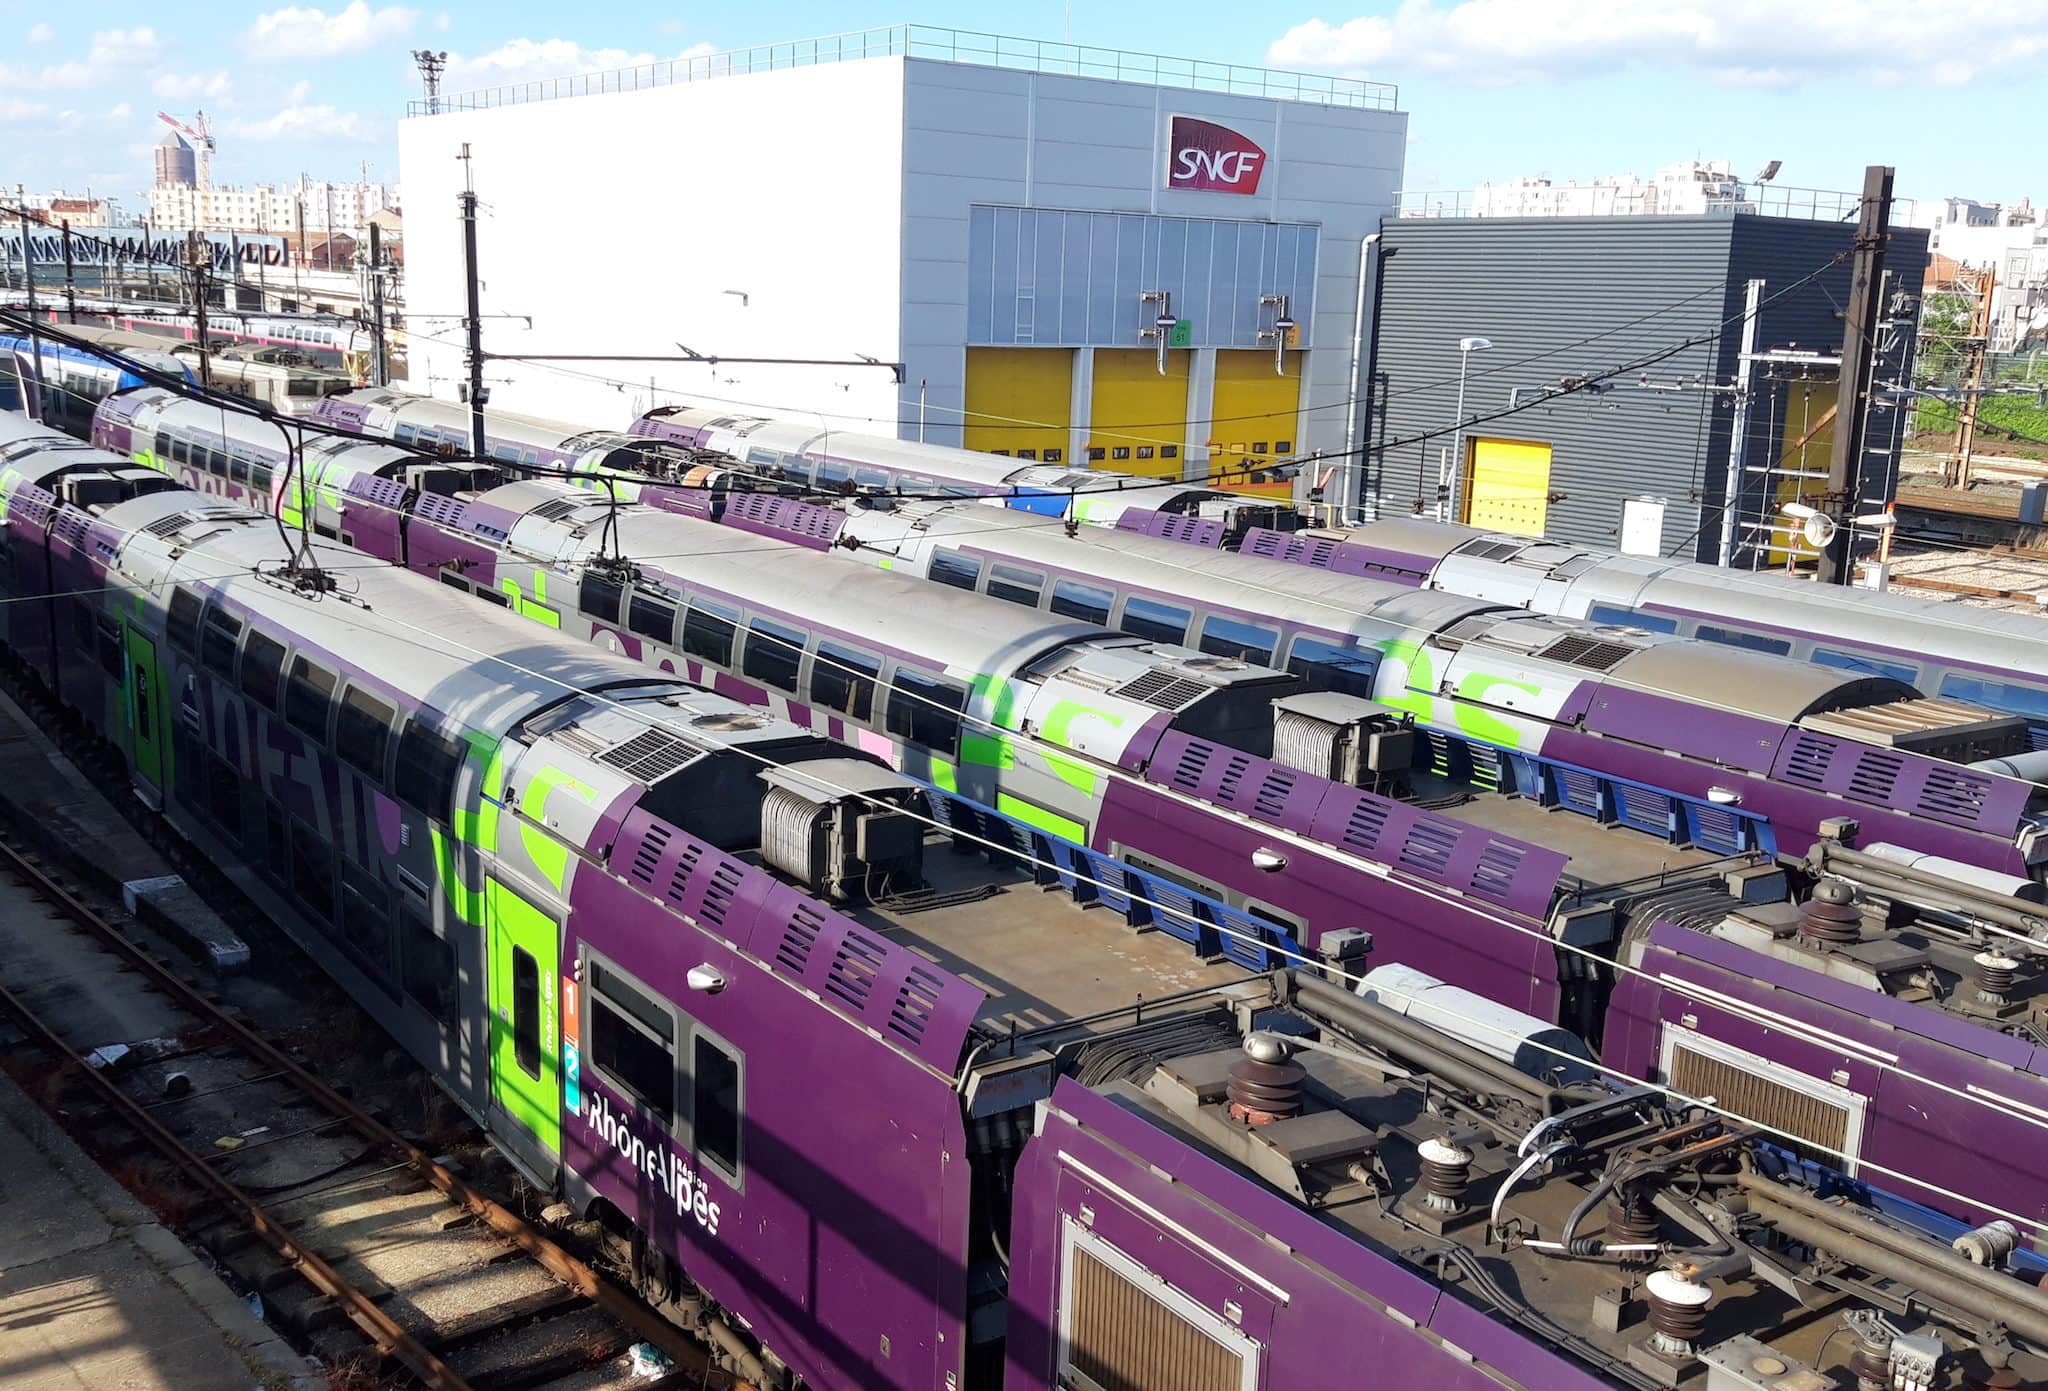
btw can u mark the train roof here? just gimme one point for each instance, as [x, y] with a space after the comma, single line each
[386, 405]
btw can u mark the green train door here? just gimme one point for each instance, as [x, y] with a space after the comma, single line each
[145, 710]
[526, 1085]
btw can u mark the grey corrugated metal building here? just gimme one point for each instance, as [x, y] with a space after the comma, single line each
[1560, 298]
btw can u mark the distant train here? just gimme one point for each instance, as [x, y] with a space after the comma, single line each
[1666, 950]
[1990, 659]
[959, 1136]
[61, 385]
[329, 342]
[290, 388]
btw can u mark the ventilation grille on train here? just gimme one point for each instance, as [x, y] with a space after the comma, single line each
[1821, 1123]
[1162, 689]
[650, 755]
[1593, 654]
[1123, 1339]
[556, 510]
[1493, 550]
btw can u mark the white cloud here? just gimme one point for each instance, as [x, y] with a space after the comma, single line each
[1500, 41]
[15, 109]
[300, 122]
[530, 60]
[179, 87]
[120, 111]
[112, 50]
[443, 22]
[300, 31]
[41, 33]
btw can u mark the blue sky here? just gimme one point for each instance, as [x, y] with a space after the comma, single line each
[1949, 93]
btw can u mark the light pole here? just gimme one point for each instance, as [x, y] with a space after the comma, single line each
[1446, 483]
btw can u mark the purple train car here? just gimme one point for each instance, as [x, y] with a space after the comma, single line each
[871, 1116]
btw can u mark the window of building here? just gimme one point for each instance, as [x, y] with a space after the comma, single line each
[362, 731]
[526, 1012]
[1227, 637]
[1016, 585]
[843, 679]
[1087, 602]
[951, 567]
[715, 1105]
[774, 651]
[308, 695]
[925, 710]
[708, 633]
[1148, 618]
[632, 1041]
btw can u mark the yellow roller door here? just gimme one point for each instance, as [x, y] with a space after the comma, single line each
[1132, 399]
[1019, 401]
[1802, 460]
[1254, 419]
[1507, 486]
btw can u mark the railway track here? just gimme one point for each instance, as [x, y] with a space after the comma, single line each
[380, 1259]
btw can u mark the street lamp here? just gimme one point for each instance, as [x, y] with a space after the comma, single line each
[1446, 483]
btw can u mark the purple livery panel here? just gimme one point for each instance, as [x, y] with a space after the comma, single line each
[1171, 526]
[764, 514]
[1343, 557]
[854, 1271]
[1956, 1131]
[1320, 1309]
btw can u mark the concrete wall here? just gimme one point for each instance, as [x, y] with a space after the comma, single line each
[618, 222]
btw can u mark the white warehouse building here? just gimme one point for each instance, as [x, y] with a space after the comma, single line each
[1074, 255]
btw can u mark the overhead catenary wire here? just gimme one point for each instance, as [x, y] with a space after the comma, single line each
[2001, 1105]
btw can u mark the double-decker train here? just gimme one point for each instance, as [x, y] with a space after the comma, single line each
[946, 1131]
[1667, 955]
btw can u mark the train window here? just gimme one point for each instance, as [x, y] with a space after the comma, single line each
[276, 858]
[1148, 618]
[429, 762]
[843, 679]
[1997, 695]
[426, 965]
[454, 581]
[926, 710]
[715, 1105]
[1083, 601]
[308, 694]
[491, 596]
[262, 665]
[181, 624]
[298, 386]
[223, 794]
[238, 469]
[1018, 586]
[632, 1041]
[951, 567]
[599, 597]
[1870, 666]
[652, 618]
[366, 923]
[1226, 637]
[260, 476]
[362, 732]
[1327, 666]
[217, 643]
[526, 1012]
[109, 638]
[773, 653]
[833, 474]
[708, 633]
[1736, 637]
[1629, 618]
[312, 871]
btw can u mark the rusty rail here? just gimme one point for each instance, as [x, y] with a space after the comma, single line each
[386, 1335]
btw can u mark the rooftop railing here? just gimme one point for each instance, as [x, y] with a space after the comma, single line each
[1597, 200]
[948, 45]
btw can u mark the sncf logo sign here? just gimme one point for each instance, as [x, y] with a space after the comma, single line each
[1211, 158]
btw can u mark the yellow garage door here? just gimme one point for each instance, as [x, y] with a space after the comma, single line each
[1019, 401]
[1507, 486]
[1255, 416]
[1129, 429]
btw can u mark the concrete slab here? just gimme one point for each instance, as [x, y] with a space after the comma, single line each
[96, 1295]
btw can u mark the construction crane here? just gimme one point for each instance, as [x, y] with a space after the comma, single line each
[201, 134]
